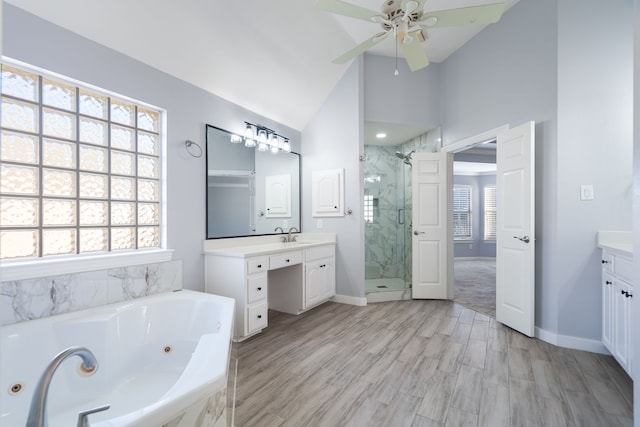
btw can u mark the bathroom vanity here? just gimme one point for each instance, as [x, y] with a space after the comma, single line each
[263, 273]
[617, 295]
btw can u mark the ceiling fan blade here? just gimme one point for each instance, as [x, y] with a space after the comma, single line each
[367, 44]
[347, 9]
[484, 14]
[413, 53]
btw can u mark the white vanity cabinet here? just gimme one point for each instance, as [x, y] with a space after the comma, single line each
[290, 278]
[319, 275]
[617, 295]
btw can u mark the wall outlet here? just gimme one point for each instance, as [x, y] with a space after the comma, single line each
[319, 224]
[586, 192]
[285, 223]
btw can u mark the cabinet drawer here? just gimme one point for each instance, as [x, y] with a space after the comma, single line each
[319, 252]
[256, 317]
[257, 265]
[256, 288]
[285, 259]
[623, 268]
[607, 262]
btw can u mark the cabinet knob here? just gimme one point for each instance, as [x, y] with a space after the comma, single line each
[624, 293]
[628, 295]
[259, 265]
[286, 260]
[605, 261]
[259, 288]
[259, 316]
[608, 282]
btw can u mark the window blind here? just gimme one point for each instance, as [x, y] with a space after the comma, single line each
[489, 213]
[462, 212]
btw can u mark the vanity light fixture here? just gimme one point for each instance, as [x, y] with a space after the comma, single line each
[263, 138]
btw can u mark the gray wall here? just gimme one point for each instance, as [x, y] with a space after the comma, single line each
[334, 139]
[476, 247]
[410, 98]
[37, 42]
[595, 128]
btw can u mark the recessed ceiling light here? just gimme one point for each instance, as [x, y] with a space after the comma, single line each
[381, 135]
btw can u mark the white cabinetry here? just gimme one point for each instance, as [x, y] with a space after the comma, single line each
[270, 277]
[327, 193]
[320, 276]
[617, 294]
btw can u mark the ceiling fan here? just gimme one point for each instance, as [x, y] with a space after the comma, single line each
[408, 22]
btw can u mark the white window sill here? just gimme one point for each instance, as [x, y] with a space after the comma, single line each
[43, 267]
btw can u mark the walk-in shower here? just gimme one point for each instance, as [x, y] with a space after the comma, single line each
[387, 223]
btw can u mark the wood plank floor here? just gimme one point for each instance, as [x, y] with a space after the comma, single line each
[418, 363]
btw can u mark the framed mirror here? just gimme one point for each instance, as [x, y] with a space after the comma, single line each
[249, 192]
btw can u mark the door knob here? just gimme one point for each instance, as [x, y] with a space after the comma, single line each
[417, 233]
[525, 239]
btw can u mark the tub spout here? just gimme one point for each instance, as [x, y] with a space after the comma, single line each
[38, 409]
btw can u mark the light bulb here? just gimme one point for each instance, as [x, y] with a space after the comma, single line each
[250, 142]
[286, 146]
[262, 136]
[275, 149]
[248, 133]
[262, 146]
[236, 139]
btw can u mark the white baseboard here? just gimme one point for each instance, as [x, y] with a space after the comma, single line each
[575, 343]
[346, 299]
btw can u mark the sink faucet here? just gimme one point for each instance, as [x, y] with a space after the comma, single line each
[292, 238]
[279, 228]
[38, 409]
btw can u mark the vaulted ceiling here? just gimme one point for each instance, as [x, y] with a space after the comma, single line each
[272, 57]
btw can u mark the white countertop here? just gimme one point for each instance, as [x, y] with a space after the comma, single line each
[265, 245]
[620, 242]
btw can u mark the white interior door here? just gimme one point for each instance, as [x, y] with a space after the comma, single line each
[432, 244]
[515, 237]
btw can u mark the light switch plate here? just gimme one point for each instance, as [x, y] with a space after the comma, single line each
[586, 192]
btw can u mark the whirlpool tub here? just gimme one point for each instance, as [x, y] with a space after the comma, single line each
[162, 360]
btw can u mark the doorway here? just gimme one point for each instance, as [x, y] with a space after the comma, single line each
[474, 232]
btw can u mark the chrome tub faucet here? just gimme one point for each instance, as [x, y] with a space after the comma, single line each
[38, 410]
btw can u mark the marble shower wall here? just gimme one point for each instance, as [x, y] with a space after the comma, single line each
[23, 300]
[382, 245]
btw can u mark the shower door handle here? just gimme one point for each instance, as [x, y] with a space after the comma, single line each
[417, 233]
[401, 216]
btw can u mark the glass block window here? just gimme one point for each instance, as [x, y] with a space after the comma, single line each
[490, 224]
[368, 208]
[80, 169]
[462, 212]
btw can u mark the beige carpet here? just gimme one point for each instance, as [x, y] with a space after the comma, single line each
[475, 284]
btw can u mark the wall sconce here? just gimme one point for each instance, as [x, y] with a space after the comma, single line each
[263, 138]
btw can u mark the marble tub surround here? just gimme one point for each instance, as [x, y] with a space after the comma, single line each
[30, 299]
[618, 241]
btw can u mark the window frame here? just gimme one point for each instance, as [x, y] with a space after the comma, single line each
[40, 266]
[466, 238]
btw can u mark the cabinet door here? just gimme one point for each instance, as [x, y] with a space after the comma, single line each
[622, 304]
[314, 283]
[327, 193]
[607, 310]
[277, 196]
[328, 265]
